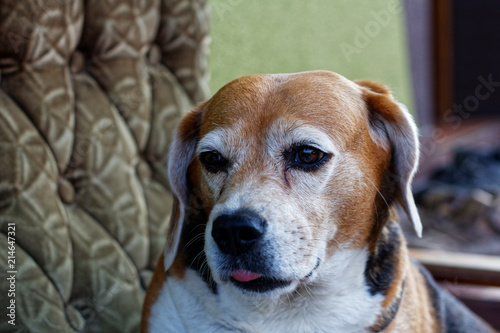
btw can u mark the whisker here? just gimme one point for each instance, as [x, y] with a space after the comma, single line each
[308, 290]
[193, 240]
[202, 252]
[376, 189]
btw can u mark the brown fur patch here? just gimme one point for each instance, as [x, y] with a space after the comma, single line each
[374, 86]
[397, 266]
[393, 293]
[152, 293]
[178, 268]
[416, 314]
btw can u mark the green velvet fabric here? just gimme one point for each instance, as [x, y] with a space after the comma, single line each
[89, 94]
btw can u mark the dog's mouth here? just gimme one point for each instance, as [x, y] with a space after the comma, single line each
[256, 282]
[260, 283]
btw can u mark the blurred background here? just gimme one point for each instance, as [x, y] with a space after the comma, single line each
[441, 59]
[90, 92]
[358, 39]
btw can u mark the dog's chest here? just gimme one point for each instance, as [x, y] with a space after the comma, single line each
[188, 306]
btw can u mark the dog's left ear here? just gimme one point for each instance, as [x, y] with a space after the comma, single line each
[392, 125]
[180, 156]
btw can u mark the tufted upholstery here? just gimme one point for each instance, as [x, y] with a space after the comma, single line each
[89, 94]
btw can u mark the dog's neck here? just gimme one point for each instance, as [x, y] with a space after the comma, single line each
[386, 271]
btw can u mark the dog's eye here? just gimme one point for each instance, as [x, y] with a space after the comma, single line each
[306, 158]
[309, 156]
[213, 161]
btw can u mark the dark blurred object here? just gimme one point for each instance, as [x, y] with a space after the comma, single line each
[471, 170]
[460, 204]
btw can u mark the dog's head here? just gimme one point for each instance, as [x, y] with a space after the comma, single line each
[278, 173]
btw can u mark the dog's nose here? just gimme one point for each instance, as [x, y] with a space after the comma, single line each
[237, 233]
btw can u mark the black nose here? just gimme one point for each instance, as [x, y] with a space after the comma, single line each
[237, 233]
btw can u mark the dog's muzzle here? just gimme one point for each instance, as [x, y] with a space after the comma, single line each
[240, 237]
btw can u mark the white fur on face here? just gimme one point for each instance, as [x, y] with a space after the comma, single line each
[295, 203]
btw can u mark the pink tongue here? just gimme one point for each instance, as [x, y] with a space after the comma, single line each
[244, 276]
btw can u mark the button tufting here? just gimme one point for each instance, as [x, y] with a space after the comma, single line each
[77, 62]
[143, 170]
[66, 191]
[75, 319]
[145, 276]
[154, 55]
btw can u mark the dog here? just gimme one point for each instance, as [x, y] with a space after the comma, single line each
[284, 219]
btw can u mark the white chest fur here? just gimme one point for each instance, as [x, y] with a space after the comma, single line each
[338, 301]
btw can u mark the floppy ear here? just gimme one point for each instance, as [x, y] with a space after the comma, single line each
[179, 158]
[392, 125]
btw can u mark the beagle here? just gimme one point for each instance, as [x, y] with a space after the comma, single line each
[284, 215]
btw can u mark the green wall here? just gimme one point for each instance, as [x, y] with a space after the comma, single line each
[360, 39]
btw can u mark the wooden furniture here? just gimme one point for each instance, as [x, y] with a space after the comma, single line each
[472, 278]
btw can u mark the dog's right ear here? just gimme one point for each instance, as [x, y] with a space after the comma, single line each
[181, 153]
